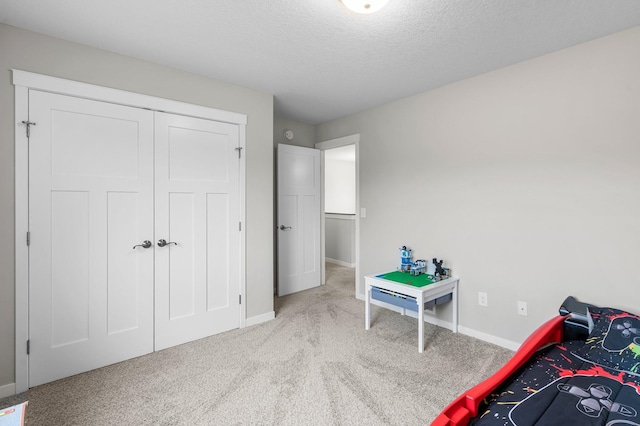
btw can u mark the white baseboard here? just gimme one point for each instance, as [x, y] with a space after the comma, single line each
[259, 319]
[429, 316]
[340, 262]
[508, 344]
[7, 390]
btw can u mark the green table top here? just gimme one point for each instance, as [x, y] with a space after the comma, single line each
[408, 279]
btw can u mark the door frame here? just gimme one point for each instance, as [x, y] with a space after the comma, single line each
[24, 81]
[323, 146]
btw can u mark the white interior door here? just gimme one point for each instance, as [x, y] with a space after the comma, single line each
[90, 202]
[197, 214]
[299, 260]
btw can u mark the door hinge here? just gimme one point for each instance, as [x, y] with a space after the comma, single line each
[28, 347]
[239, 299]
[28, 124]
[28, 238]
[239, 226]
[239, 149]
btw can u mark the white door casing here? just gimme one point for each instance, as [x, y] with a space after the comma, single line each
[299, 244]
[91, 201]
[197, 214]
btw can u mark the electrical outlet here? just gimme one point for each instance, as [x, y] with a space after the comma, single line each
[482, 299]
[522, 308]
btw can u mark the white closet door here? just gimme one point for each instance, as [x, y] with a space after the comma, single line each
[90, 202]
[197, 214]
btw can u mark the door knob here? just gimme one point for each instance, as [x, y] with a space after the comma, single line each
[284, 228]
[162, 243]
[145, 244]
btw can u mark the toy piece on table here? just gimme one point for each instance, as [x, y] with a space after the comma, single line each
[418, 267]
[407, 265]
[440, 272]
[405, 259]
[431, 268]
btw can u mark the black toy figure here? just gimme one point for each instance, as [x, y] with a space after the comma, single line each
[439, 269]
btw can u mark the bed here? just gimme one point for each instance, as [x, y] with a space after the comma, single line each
[579, 368]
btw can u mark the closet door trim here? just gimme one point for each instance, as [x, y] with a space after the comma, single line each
[106, 94]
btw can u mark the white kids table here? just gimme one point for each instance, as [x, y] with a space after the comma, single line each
[408, 296]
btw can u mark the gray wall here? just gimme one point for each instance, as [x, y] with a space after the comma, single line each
[33, 52]
[340, 236]
[304, 134]
[525, 180]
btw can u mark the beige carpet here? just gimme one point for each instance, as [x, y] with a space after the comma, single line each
[314, 364]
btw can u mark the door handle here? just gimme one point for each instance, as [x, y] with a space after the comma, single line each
[145, 244]
[284, 228]
[162, 243]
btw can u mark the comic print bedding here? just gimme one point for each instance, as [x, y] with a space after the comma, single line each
[590, 382]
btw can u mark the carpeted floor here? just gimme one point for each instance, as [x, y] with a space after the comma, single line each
[314, 364]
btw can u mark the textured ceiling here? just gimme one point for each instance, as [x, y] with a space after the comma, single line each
[320, 60]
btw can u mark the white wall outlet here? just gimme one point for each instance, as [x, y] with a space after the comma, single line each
[482, 299]
[363, 212]
[522, 308]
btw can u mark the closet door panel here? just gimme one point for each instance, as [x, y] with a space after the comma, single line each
[182, 274]
[219, 280]
[197, 214]
[90, 202]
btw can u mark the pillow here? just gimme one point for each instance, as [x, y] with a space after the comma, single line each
[614, 341]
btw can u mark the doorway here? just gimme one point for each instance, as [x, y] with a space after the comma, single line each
[340, 208]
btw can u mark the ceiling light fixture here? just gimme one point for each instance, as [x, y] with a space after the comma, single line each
[365, 6]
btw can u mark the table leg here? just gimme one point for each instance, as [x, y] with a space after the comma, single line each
[420, 324]
[367, 307]
[454, 299]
